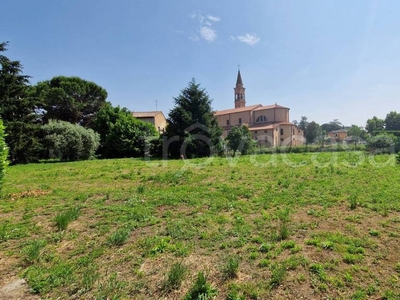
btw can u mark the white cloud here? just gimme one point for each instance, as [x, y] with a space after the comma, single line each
[206, 30]
[208, 34]
[213, 18]
[249, 39]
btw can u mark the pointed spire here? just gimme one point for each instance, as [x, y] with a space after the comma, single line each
[239, 79]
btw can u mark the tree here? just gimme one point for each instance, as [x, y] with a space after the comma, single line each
[239, 138]
[3, 154]
[375, 125]
[70, 99]
[331, 126]
[312, 132]
[392, 121]
[121, 134]
[193, 124]
[18, 111]
[303, 123]
[69, 142]
[382, 143]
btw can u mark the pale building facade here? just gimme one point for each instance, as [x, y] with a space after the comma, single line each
[156, 118]
[269, 125]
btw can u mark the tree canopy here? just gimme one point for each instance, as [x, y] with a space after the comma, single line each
[70, 99]
[193, 124]
[121, 134]
[17, 110]
[313, 131]
[239, 138]
[375, 125]
[392, 121]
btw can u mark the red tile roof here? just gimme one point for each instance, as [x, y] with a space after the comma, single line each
[146, 114]
[236, 110]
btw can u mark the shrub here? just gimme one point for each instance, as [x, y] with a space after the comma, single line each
[382, 143]
[3, 154]
[66, 141]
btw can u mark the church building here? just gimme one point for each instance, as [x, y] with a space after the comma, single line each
[268, 124]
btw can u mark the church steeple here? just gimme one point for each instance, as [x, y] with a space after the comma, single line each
[240, 97]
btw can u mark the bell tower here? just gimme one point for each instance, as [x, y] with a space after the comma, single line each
[240, 98]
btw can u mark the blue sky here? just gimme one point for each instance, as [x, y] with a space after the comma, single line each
[324, 59]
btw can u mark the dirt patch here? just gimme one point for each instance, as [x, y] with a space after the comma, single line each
[16, 289]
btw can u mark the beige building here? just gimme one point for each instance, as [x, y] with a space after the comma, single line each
[156, 118]
[269, 125]
[338, 135]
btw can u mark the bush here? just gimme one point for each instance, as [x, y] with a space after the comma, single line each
[66, 141]
[382, 143]
[3, 154]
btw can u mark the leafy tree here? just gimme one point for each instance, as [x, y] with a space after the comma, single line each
[312, 132]
[70, 99]
[331, 126]
[239, 138]
[382, 143]
[193, 124]
[17, 110]
[392, 121]
[303, 123]
[357, 133]
[121, 134]
[3, 154]
[69, 142]
[375, 125]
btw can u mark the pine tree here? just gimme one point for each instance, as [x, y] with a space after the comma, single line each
[17, 110]
[192, 124]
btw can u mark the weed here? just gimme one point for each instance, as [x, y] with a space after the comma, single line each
[353, 201]
[33, 250]
[201, 289]
[140, 189]
[318, 270]
[174, 277]
[397, 267]
[327, 245]
[266, 247]
[278, 274]
[118, 237]
[349, 258]
[63, 219]
[264, 263]
[89, 277]
[374, 232]
[230, 268]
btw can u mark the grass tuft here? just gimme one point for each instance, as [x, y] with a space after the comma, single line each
[174, 277]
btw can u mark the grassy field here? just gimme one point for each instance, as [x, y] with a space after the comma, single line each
[295, 226]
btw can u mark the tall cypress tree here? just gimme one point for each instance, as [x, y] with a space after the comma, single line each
[192, 124]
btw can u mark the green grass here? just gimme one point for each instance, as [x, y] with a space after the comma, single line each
[174, 277]
[261, 227]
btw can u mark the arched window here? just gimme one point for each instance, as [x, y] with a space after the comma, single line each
[281, 131]
[261, 119]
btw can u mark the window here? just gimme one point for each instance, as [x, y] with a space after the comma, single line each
[240, 120]
[265, 131]
[255, 132]
[227, 122]
[281, 131]
[281, 139]
[261, 119]
[293, 131]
